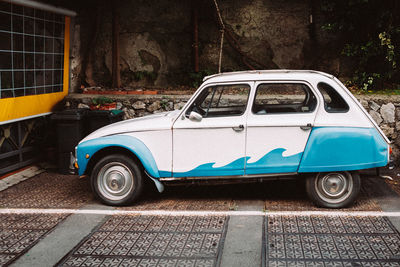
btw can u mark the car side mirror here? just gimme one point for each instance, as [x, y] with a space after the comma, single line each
[194, 116]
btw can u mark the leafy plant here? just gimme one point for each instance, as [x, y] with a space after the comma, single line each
[140, 75]
[196, 78]
[101, 100]
[164, 103]
[370, 34]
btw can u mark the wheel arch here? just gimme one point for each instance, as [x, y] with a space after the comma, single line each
[108, 151]
[89, 152]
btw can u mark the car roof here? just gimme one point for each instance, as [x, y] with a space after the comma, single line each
[266, 75]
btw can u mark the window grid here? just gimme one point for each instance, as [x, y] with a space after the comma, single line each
[32, 53]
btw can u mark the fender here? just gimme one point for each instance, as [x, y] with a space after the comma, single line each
[344, 149]
[87, 149]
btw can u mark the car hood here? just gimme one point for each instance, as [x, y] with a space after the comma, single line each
[155, 122]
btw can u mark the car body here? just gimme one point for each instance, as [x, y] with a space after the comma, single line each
[243, 125]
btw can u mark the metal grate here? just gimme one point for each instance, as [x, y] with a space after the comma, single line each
[18, 233]
[152, 241]
[330, 241]
[19, 143]
[31, 51]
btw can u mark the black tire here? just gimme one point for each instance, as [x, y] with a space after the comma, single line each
[117, 180]
[333, 189]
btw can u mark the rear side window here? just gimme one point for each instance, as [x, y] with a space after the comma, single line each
[278, 98]
[334, 103]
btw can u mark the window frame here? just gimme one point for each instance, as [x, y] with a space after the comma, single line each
[325, 104]
[309, 86]
[207, 86]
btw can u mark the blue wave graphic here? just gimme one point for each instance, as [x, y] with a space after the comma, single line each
[272, 162]
[275, 162]
[234, 168]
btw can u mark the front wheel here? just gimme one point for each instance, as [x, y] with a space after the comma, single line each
[333, 189]
[117, 180]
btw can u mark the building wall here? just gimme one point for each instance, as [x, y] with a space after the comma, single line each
[156, 40]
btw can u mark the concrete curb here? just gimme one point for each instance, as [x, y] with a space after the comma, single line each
[19, 177]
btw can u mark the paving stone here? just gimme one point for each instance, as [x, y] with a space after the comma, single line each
[330, 241]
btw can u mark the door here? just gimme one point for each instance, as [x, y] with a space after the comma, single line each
[278, 126]
[210, 137]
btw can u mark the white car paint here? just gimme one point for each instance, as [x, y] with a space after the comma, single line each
[213, 140]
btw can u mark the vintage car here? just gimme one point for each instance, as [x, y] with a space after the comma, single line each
[243, 126]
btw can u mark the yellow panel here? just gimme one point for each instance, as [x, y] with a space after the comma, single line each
[66, 55]
[25, 106]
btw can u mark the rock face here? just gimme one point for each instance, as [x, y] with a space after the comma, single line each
[156, 43]
[179, 105]
[364, 103]
[374, 106]
[387, 112]
[81, 105]
[154, 107]
[139, 105]
[376, 116]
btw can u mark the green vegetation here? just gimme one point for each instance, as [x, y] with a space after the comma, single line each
[196, 78]
[140, 75]
[370, 35]
[164, 102]
[101, 100]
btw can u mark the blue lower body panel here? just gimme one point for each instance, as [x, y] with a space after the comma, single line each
[234, 168]
[274, 162]
[344, 149]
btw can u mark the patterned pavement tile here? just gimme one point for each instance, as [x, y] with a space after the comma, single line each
[294, 198]
[152, 241]
[18, 233]
[330, 241]
[47, 190]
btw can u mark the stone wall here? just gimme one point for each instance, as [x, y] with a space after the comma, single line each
[385, 110]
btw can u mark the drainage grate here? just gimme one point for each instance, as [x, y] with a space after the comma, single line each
[152, 241]
[18, 233]
[330, 241]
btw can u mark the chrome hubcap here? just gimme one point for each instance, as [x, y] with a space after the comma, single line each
[334, 187]
[115, 181]
[334, 184]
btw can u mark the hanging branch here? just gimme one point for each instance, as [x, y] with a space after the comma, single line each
[221, 22]
[86, 74]
[116, 76]
[195, 22]
[247, 60]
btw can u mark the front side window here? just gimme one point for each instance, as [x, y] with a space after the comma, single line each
[334, 103]
[221, 100]
[278, 98]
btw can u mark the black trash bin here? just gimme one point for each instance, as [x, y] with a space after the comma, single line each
[71, 128]
[100, 118]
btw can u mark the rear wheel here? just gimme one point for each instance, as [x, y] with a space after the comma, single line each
[117, 180]
[333, 189]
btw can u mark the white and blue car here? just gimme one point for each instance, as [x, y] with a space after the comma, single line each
[241, 126]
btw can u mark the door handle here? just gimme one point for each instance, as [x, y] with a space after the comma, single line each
[307, 127]
[238, 128]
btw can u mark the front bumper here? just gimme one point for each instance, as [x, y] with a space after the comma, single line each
[391, 164]
[73, 164]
